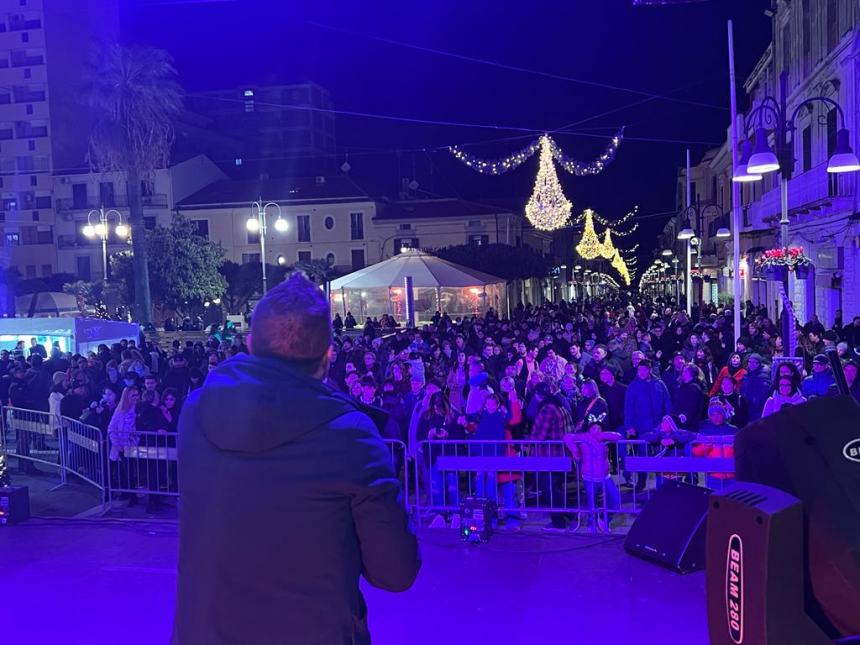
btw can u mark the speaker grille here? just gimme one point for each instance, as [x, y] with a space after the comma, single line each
[746, 497]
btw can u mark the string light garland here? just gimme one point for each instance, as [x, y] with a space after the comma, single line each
[581, 169]
[547, 209]
[573, 166]
[589, 246]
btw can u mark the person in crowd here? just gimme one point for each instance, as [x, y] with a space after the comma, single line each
[786, 393]
[645, 404]
[614, 393]
[820, 381]
[690, 398]
[438, 423]
[551, 423]
[850, 369]
[307, 456]
[704, 360]
[734, 404]
[734, 368]
[716, 426]
[590, 405]
[457, 379]
[755, 386]
[368, 394]
[101, 411]
[122, 435]
[76, 400]
[672, 375]
[590, 451]
[671, 438]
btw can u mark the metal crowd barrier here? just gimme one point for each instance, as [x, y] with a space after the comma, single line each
[397, 450]
[146, 465]
[525, 477]
[72, 447]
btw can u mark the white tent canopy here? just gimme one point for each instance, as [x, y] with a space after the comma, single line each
[426, 271]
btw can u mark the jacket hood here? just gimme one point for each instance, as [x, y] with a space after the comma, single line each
[253, 404]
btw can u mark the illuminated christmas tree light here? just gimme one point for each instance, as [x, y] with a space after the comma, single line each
[589, 246]
[547, 209]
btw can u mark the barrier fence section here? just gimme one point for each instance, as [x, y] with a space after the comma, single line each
[143, 463]
[579, 479]
[72, 447]
[397, 450]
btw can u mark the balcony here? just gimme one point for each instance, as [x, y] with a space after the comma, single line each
[118, 201]
[6, 134]
[18, 23]
[27, 131]
[27, 60]
[809, 192]
[27, 96]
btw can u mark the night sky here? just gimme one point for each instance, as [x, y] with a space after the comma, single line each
[678, 51]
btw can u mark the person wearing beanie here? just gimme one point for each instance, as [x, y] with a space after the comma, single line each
[718, 428]
[756, 386]
[819, 382]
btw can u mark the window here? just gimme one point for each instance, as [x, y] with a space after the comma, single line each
[304, 256]
[831, 133]
[84, 268]
[28, 73]
[46, 270]
[807, 148]
[201, 227]
[106, 194]
[405, 243]
[37, 235]
[329, 222]
[25, 37]
[357, 259]
[29, 109]
[253, 237]
[356, 226]
[35, 216]
[13, 239]
[249, 258]
[30, 271]
[806, 24]
[832, 23]
[34, 180]
[79, 195]
[479, 240]
[404, 227]
[303, 223]
[31, 145]
[149, 222]
[330, 259]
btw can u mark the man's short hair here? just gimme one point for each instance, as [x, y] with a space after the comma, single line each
[292, 321]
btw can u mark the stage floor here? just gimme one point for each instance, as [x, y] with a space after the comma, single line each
[94, 582]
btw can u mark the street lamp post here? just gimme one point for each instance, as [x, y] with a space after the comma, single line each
[695, 213]
[101, 230]
[762, 160]
[257, 224]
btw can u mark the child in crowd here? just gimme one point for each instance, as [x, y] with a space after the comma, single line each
[590, 451]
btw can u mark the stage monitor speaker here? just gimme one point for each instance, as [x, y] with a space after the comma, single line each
[812, 451]
[670, 530]
[754, 580]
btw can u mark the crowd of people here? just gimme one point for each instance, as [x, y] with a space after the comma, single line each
[607, 369]
[617, 368]
[130, 391]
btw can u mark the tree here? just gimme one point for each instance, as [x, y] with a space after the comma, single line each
[244, 281]
[502, 260]
[183, 267]
[98, 297]
[319, 271]
[134, 93]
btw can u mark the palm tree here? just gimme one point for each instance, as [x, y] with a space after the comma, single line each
[135, 96]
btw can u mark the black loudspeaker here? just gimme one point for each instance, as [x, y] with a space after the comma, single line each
[670, 530]
[14, 504]
[754, 580]
[812, 452]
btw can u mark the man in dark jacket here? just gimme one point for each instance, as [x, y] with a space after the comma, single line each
[756, 386]
[288, 494]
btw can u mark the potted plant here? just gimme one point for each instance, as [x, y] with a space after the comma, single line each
[775, 264]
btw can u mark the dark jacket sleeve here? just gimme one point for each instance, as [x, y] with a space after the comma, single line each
[389, 548]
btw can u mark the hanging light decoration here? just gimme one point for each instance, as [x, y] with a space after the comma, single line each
[547, 209]
[607, 250]
[619, 265]
[589, 246]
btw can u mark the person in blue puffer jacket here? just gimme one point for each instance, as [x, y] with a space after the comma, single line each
[820, 381]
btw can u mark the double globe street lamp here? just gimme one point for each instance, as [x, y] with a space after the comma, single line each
[98, 226]
[256, 223]
[758, 161]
